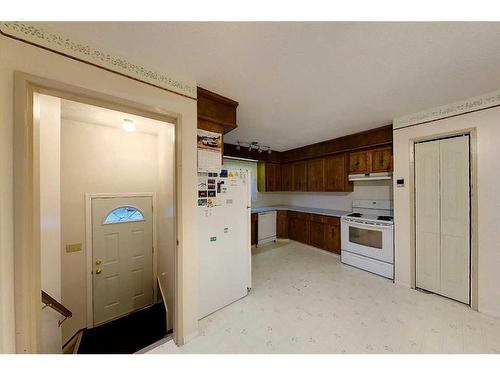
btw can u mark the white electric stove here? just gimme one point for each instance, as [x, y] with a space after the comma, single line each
[367, 237]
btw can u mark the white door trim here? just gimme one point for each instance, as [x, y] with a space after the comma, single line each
[89, 247]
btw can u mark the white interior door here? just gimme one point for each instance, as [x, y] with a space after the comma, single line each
[428, 232]
[122, 258]
[455, 218]
[442, 182]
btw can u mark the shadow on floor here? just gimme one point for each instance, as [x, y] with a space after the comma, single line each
[126, 335]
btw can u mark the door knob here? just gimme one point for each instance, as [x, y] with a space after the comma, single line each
[98, 261]
[98, 271]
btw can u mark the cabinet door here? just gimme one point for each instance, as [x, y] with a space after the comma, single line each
[317, 234]
[358, 162]
[287, 177]
[282, 224]
[381, 160]
[316, 175]
[293, 229]
[303, 227]
[254, 229]
[332, 238]
[300, 176]
[336, 174]
[273, 177]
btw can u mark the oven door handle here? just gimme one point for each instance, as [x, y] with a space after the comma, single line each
[367, 226]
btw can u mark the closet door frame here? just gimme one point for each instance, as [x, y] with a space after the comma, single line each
[473, 207]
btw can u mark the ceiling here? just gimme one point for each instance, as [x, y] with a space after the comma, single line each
[91, 114]
[300, 83]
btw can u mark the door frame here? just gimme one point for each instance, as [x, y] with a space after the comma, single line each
[89, 246]
[473, 207]
[27, 266]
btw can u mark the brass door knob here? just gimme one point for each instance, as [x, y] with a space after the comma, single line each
[98, 271]
[98, 261]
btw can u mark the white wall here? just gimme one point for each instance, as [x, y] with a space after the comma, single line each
[341, 201]
[96, 159]
[488, 155]
[47, 119]
[19, 56]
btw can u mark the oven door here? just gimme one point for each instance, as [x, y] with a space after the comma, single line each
[374, 241]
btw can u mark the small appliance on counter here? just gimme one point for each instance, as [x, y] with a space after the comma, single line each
[367, 237]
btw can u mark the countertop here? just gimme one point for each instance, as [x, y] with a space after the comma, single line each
[309, 210]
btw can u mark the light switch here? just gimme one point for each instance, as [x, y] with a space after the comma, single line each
[73, 247]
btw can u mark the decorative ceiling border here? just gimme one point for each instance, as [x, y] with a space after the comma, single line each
[39, 35]
[477, 103]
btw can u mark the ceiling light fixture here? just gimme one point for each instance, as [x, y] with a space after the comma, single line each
[253, 146]
[128, 125]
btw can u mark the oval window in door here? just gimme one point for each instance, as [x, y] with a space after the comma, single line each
[124, 214]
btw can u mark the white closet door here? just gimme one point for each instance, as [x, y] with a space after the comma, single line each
[455, 218]
[428, 236]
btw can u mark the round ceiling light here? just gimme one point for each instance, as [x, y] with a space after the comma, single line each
[128, 125]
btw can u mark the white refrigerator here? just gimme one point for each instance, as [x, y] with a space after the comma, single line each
[224, 248]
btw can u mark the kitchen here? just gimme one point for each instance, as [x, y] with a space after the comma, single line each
[317, 198]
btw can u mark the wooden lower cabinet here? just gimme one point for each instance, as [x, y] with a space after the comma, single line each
[319, 231]
[253, 226]
[317, 234]
[298, 226]
[282, 224]
[332, 238]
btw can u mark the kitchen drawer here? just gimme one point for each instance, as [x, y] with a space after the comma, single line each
[318, 218]
[292, 214]
[332, 220]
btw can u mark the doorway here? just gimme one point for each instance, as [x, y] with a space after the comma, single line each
[81, 150]
[442, 191]
[122, 256]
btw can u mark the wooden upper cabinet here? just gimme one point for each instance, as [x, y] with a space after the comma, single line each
[273, 177]
[316, 174]
[268, 177]
[374, 160]
[336, 173]
[287, 177]
[358, 162]
[381, 160]
[215, 110]
[299, 176]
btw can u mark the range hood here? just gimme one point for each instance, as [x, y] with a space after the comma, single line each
[370, 176]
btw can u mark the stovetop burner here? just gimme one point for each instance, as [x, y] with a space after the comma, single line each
[355, 214]
[385, 218]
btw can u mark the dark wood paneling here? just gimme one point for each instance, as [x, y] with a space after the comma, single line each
[373, 137]
[231, 150]
[316, 174]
